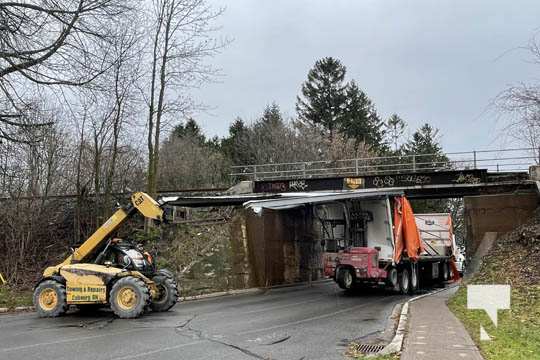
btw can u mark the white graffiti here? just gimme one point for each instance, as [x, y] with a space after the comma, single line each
[384, 182]
[298, 185]
[415, 179]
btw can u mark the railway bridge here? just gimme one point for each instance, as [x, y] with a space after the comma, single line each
[499, 190]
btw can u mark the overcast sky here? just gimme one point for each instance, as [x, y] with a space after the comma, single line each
[436, 61]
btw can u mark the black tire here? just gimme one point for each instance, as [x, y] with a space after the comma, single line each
[168, 293]
[443, 272]
[404, 281]
[345, 279]
[392, 278]
[50, 299]
[128, 297]
[166, 272]
[415, 279]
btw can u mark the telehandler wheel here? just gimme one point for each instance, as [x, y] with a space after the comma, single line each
[168, 293]
[50, 299]
[128, 297]
[166, 272]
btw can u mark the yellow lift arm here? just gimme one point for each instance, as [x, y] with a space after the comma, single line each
[140, 201]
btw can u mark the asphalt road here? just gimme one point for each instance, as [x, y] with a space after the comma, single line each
[289, 323]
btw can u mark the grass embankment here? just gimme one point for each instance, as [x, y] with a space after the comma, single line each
[514, 260]
[11, 298]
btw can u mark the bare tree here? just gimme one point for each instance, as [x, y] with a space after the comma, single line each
[181, 41]
[46, 43]
[522, 101]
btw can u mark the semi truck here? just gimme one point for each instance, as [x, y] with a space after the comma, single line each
[380, 242]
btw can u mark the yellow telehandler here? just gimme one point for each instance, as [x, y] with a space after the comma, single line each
[107, 270]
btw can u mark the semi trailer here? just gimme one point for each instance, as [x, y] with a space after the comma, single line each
[380, 242]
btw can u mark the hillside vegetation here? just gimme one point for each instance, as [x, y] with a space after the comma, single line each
[514, 260]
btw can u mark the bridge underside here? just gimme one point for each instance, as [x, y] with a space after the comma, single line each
[441, 184]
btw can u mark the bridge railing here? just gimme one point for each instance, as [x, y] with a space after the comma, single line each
[503, 160]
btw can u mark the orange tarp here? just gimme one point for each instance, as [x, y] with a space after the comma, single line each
[406, 234]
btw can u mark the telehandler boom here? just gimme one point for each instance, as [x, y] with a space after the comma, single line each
[107, 270]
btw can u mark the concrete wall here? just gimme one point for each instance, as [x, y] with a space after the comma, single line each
[495, 213]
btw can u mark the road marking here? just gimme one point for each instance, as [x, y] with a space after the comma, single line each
[158, 350]
[292, 323]
[69, 340]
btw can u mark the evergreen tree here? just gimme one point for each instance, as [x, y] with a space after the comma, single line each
[395, 128]
[270, 120]
[425, 145]
[190, 130]
[429, 155]
[236, 145]
[323, 100]
[360, 120]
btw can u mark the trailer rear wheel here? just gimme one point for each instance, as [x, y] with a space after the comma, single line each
[404, 281]
[443, 272]
[415, 285]
[345, 279]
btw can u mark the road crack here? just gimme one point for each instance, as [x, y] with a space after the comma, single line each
[199, 335]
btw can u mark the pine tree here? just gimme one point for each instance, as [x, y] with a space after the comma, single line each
[426, 148]
[429, 155]
[395, 129]
[323, 102]
[236, 145]
[190, 130]
[271, 116]
[360, 120]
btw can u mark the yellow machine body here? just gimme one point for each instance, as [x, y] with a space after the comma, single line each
[94, 274]
[86, 282]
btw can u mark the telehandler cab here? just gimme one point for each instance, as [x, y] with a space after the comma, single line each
[106, 270]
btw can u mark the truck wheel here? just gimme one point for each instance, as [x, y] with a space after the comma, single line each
[443, 272]
[50, 299]
[404, 281]
[345, 279]
[415, 285]
[392, 278]
[128, 297]
[168, 293]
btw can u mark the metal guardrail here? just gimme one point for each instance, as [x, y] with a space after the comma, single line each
[503, 160]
